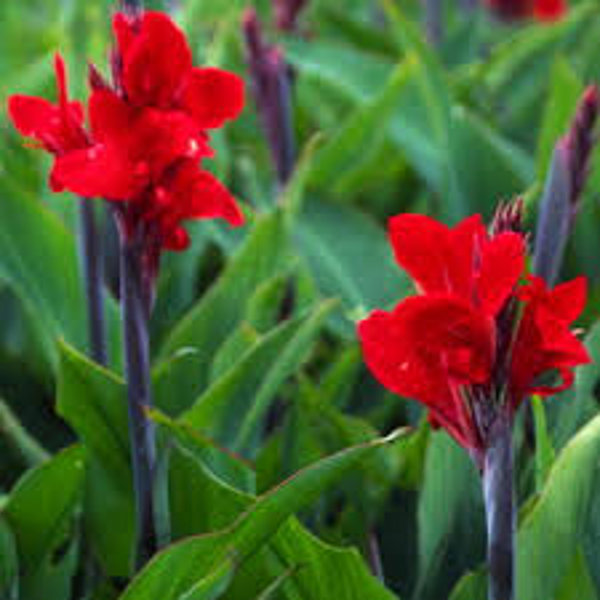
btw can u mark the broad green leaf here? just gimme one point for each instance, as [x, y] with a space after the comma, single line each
[288, 362]
[93, 401]
[451, 532]
[357, 75]
[200, 503]
[572, 409]
[217, 314]
[577, 584]
[213, 586]
[219, 411]
[484, 167]
[227, 467]
[38, 258]
[565, 88]
[350, 258]
[180, 566]
[324, 571]
[364, 126]
[544, 451]
[235, 346]
[41, 512]
[435, 92]
[472, 586]
[551, 531]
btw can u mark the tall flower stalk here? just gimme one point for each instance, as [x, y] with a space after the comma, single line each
[473, 345]
[270, 78]
[149, 133]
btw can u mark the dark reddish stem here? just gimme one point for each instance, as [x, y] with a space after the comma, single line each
[271, 86]
[137, 374]
[564, 185]
[433, 21]
[499, 501]
[91, 265]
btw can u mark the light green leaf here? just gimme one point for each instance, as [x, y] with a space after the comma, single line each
[551, 531]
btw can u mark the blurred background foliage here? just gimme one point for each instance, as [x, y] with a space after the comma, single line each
[257, 372]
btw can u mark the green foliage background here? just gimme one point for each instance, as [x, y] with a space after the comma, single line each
[278, 483]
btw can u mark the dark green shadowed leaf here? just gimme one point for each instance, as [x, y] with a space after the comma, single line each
[41, 512]
[9, 563]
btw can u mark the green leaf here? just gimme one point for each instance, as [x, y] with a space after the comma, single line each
[451, 532]
[179, 567]
[93, 401]
[472, 586]
[357, 75]
[45, 273]
[544, 451]
[571, 410]
[350, 258]
[577, 584]
[213, 586]
[9, 563]
[565, 89]
[551, 531]
[41, 512]
[217, 412]
[485, 167]
[217, 314]
[364, 126]
[222, 463]
[287, 363]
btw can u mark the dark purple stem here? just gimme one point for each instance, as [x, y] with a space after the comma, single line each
[137, 374]
[564, 185]
[499, 501]
[271, 86]
[132, 5]
[433, 21]
[91, 264]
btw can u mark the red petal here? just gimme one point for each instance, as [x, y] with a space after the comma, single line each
[156, 63]
[97, 172]
[438, 258]
[212, 96]
[124, 30]
[549, 10]
[111, 118]
[567, 300]
[419, 244]
[502, 262]
[205, 197]
[33, 117]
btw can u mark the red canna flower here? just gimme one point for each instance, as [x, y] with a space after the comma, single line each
[476, 339]
[57, 128]
[541, 10]
[148, 133]
[154, 68]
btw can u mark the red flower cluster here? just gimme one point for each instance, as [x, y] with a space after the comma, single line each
[541, 10]
[148, 133]
[477, 338]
